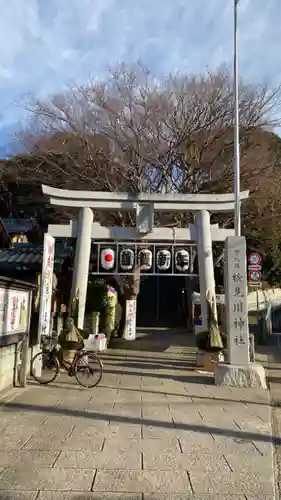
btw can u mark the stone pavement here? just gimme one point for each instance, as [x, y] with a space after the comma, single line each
[154, 429]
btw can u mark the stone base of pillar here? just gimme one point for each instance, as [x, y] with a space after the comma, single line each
[252, 375]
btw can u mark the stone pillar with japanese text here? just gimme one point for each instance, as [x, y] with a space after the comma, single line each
[239, 371]
[236, 303]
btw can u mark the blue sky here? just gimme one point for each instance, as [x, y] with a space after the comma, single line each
[49, 44]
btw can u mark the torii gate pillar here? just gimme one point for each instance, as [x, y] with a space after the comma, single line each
[205, 263]
[82, 261]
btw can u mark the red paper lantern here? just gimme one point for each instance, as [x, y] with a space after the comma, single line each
[107, 259]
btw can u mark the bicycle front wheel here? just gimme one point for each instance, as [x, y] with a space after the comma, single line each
[88, 370]
[45, 367]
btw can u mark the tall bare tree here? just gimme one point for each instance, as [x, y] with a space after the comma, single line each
[152, 134]
[134, 132]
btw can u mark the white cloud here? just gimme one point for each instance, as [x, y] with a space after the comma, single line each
[48, 44]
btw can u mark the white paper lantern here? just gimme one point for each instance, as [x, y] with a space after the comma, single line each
[126, 259]
[182, 260]
[107, 259]
[163, 260]
[145, 259]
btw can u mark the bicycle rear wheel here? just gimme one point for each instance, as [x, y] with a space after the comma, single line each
[45, 367]
[88, 370]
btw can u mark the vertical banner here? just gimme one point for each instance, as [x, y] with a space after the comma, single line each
[130, 324]
[46, 284]
[236, 303]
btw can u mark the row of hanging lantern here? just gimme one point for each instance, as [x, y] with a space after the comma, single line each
[145, 259]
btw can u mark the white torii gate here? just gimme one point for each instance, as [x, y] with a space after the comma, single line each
[203, 233]
[233, 374]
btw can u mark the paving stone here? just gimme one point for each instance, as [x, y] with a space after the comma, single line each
[195, 442]
[190, 423]
[21, 431]
[163, 460]
[167, 459]
[261, 411]
[97, 412]
[151, 384]
[22, 458]
[259, 497]
[207, 463]
[126, 410]
[131, 384]
[169, 496]
[8, 413]
[221, 425]
[128, 396]
[77, 396]
[111, 378]
[125, 431]
[142, 481]
[44, 443]
[104, 394]
[90, 429]
[178, 398]
[31, 418]
[76, 442]
[157, 413]
[228, 444]
[190, 496]
[253, 462]
[154, 397]
[189, 411]
[149, 445]
[153, 432]
[12, 442]
[232, 482]
[266, 448]
[3, 424]
[209, 406]
[18, 495]
[35, 430]
[102, 404]
[65, 420]
[72, 406]
[100, 460]
[254, 426]
[53, 495]
[43, 478]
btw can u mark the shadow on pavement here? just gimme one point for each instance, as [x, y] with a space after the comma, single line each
[204, 399]
[151, 366]
[192, 379]
[189, 396]
[156, 340]
[238, 435]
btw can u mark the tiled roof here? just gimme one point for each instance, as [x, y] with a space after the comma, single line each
[18, 226]
[28, 256]
[16, 256]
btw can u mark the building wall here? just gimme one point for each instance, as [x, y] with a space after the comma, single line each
[8, 364]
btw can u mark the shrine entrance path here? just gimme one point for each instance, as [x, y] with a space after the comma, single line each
[154, 429]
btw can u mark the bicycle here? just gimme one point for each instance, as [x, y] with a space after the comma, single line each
[47, 362]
